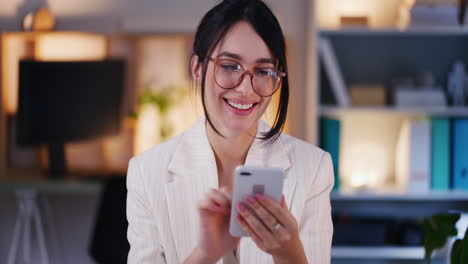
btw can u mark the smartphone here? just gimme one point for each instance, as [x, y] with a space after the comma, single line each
[249, 180]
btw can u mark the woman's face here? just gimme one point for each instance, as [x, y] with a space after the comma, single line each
[237, 111]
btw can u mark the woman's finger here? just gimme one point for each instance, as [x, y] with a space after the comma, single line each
[277, 210]
[215, 202]
[282, 234]
[249, 231]
[258, 227]
[219, 198]
[268, 219]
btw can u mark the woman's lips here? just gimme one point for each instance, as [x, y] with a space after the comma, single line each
[240, 109]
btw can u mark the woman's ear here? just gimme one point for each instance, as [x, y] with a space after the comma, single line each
[195, 68]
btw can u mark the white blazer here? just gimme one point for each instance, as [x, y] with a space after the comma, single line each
[166, 182]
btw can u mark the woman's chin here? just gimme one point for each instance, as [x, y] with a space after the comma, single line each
[239, 127]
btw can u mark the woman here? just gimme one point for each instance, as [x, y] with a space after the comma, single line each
[179, 192]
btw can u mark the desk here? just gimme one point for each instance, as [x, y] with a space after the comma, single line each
[27, 186]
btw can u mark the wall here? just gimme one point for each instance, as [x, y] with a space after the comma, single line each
[381, 13]
[177, 15]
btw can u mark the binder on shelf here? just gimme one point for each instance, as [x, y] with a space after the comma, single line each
[333, 72]
[330, 142]
[460, 154]
[413, 156]
[440, 158]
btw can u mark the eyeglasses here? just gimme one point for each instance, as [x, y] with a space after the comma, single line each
[229, 74]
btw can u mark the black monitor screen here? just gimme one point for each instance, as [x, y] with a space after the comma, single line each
[69, 101]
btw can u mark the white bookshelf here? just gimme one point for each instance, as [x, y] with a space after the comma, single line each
[381, 55]
[391, 195]
[417, 31]
[334, 111]
[382, 253]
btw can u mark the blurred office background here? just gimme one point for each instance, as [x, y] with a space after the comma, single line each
[380, 84]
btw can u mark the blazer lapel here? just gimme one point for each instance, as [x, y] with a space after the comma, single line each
[193, 168]
[194, 173]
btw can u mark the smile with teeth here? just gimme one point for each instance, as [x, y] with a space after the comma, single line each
[240, 106]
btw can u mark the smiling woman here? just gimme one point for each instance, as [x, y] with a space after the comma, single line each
[179, 192]
[237, 107]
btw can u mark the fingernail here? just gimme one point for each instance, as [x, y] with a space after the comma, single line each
[260, 196]
[240, 207]
[215, 208]
[250, 199]
[240, 218]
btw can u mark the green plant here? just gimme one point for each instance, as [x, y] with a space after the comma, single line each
[437, 230]
[163, 99]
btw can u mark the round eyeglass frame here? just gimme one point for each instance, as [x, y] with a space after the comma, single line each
[242, 76]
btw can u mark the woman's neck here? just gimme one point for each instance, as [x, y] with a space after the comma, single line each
[230, 151]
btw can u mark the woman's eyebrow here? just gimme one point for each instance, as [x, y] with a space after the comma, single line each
[265, 60]
[230, 55]
[238, 57]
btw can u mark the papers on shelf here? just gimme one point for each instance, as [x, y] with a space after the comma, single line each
[332, 69]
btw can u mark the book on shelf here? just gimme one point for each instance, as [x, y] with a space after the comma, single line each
[460, 154]
[334, 74]
[440, 158]
[434, 13]
[413, 156]
[330, 142]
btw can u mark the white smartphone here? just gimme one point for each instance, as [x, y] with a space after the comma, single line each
[249, 180]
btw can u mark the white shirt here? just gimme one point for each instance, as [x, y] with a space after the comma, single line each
[166, 182]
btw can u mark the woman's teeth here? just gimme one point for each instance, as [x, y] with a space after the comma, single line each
[239, 106]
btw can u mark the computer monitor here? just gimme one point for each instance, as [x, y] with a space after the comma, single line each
[66, 101]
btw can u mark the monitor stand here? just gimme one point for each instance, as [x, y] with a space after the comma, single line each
[57, 161]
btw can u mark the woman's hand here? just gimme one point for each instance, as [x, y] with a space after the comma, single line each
[277, 233]
[215, 239]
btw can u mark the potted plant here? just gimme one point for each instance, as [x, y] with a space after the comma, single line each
[437, 230]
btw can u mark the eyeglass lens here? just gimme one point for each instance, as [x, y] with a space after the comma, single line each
[229, 74]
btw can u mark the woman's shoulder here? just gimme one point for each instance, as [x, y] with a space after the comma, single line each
[300, 148]
[158, 157]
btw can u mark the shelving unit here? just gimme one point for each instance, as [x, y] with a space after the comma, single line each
[381, 55]
[388, 253]
[398, 205]
[415, 31]
[333, 111]
[392, 205]
[392, 195]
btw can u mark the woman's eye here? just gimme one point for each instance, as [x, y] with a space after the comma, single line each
[229, 67]
[265, 72]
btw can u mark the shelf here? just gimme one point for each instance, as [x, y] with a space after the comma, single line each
[382, 253]
[400, 196]
[416, 31]
[333, 111]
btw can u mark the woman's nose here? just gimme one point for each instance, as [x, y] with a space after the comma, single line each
[245, 86]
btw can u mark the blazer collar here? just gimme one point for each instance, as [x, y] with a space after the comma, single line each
[194, 156]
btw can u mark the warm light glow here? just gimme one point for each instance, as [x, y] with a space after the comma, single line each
[148, 128]
[85, 155]
[15, 48]
[163, 62]
[367, 151]
[369, 170]
[44, 46]
[184, 114]
[353, 7]
[70, 46]
[380, 13]
[119, 149]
